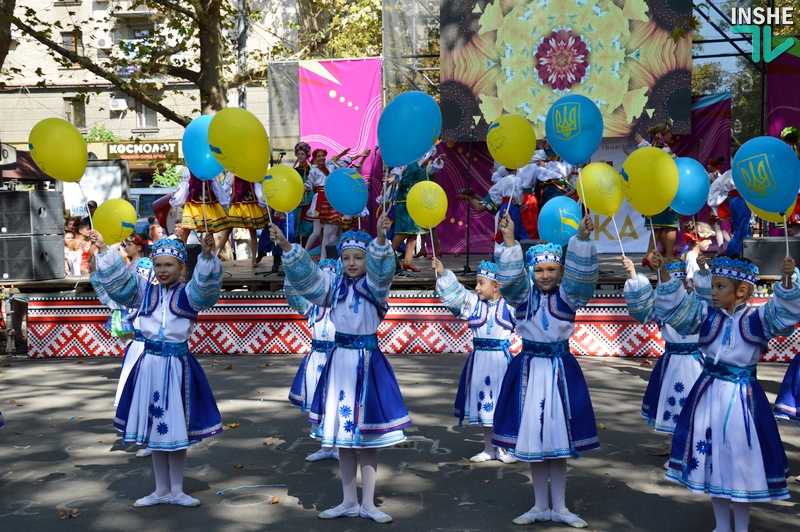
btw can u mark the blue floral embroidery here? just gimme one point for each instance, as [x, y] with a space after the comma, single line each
[682, 401]
[487, 380]
[667, 415]
[345, 411]
[320, 367]
[156, 396]
[162, 428]
[671, 401]
[708, 433]
[341, 395]
[703, 447]
[488, 406]
[349, 426]
[491, 394]
[693, 463]
[679, 387]
[481, 395]
[156, 411]
[480, 405]
[675, 417]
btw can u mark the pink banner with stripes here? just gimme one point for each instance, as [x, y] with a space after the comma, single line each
[340, 103]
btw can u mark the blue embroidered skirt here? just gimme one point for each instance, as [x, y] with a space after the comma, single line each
[133, 352]
[787, 405]
[167, 402]
[481, 379]
[305, 380]
[357, 403]
[544, 410]
[726, 442]
[670, 382]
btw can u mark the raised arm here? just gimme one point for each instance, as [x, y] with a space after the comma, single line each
[204, 288]
[580, 266]
[380, 262]
[511, 271]
[781, 313]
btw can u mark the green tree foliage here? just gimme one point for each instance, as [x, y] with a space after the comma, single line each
[99, 133]
[171, 177]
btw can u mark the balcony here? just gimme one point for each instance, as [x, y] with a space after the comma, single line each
[134, 10]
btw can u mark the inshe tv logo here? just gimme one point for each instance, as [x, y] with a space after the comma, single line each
[758, 22]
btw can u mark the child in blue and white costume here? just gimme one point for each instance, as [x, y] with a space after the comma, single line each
[357, 404]
[491, 321]
[726, 441]
[322, 334]
[679, 366]
[167, 402]
[544, 413]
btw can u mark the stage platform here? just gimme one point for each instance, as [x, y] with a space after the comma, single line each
[252, 317]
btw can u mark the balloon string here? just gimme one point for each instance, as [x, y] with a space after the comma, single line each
[359, 223]
[205, 220]
[583, 195]
[653, 235]
[433, 249]
[786, 239]
[614, 221]
[86, 203]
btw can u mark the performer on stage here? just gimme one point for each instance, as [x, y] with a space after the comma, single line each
[202, 205]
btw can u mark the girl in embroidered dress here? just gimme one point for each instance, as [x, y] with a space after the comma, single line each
[167, 402]
[491, 320]
[544, 414]
[357, 404]
[303, 224]
[678, 367]
[698, 237]
[328, 221]
[726, 441]
[322, 334]
[192, 193]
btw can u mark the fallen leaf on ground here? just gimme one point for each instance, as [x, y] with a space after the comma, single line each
[232, 425]
[53, 426]
[19, 404]
[466, 466]
[79, 361]
[238, 466]
[268, 441]
[486, 481]
[229, 366]
[466, 504]
[99, 441]
[215, 362]
[601, 426]
[66, 513]
[265, 365]
[646, 363]
[274, 500]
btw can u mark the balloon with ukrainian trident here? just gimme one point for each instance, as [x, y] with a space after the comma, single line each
[766, 173]
[58, 149]
[599, 189]
[559, 220]
[649, 180]
[427, 204]
[115, 219]
[774, 217]
[574, 128]
[240, 143]
[346, 191]
[283, 188]
[511, 141]
[693, 186]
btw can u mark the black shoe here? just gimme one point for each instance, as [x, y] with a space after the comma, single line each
[260, 255]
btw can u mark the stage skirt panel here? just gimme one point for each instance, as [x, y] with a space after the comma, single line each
[325, 211]
[167, 403]
[670, 382]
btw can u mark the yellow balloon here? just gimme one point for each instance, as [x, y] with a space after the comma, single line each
[240, 143]
[427, 204]
[283, 188]
[774, 217]
[649, 180]
[599, 182]
[115, 220]
[511, 141]
[58, 149]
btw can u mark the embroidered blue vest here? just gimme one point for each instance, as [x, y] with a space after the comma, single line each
[178, 302]
[502, 315]
[558, 306]
[750, 327]
[362, 289]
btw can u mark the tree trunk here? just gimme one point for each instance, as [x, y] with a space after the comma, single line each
[6, 10]
[209, 83]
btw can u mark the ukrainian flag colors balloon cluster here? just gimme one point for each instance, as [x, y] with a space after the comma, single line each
[115, 220]
[196, 150]
[427, 204]
[599, 189]
[574, 127]
[283, 188]
[649, 180]
[240, 143]
[511, 141]
[408, 127]
[58, 149]
[767, 174]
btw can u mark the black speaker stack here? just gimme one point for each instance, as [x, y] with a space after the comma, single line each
[31, 235]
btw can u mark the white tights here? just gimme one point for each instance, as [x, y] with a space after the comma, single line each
[722, 514]
[168, 470]
[550, 474]
[348, 465]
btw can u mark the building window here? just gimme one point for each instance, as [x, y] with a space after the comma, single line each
[75, 111]
[146, 118]
[72, 41]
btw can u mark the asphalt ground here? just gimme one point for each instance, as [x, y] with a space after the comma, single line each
[59, 450]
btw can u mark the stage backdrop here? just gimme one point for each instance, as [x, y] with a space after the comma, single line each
[783, 80]
[340, 102]
[519, 57]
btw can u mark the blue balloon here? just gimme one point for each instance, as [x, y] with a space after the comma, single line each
[693, 184]
[346, 191]
[767, 174]
[408, 127]
[196, 150]
[574, 128]
[559, 219]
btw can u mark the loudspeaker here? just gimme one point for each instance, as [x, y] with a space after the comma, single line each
[32, 258]
[31, 212]
[768, 252]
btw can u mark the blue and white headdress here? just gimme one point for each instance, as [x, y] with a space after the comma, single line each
[354, 239]
[735, 269]
[170, 247]
[488, 269]
[544, 253]
[144, 267]
[676, 269]
[327, 264]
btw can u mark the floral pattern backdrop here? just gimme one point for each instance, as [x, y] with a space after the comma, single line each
[517, 56]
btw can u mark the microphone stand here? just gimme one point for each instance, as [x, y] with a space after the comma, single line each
[467, 270]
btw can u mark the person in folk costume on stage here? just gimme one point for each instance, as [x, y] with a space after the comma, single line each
[303, 224]
[491, 321]
[544, 413]
[698, 237]
[357, 404]
[247, 209]
[323, 332]
[434, 233]
[680, 364]
[480, 204]
[405, 229]
[719, 212]
[167, 403]
[724, 187]
[326, 220]
[351, 222]
[726, 441]
[202, 205]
